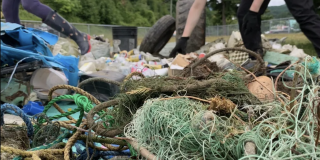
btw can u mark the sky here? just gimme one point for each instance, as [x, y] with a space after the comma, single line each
[276, 2]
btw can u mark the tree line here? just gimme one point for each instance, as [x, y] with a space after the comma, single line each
[143, 12]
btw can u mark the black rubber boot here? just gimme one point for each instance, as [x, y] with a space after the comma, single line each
[55, 21]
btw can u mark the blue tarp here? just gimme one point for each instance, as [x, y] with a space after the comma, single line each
[18, 43]
[9, 26]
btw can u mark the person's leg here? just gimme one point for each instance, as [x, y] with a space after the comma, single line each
[55, 21]
[251, 41]
[242, 11]
[37, 8]
[304, 12]
[10, 9]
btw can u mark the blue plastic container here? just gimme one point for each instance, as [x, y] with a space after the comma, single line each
[33, 108]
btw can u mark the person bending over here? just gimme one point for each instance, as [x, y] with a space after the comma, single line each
[192, 20]
[249, 17]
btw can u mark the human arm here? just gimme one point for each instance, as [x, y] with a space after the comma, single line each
[256, 5]
[194, 16]
[251, 19]
[251, 24]
[192, 20]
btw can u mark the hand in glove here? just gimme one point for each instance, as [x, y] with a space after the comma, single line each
[250, 22]
[180, 47]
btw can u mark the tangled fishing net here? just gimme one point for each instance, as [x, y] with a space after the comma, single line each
[48, 133]
[185, 129]
[182, 129]
[14, 136]
[135, 92]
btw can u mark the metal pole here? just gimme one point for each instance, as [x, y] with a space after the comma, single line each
[270, 24]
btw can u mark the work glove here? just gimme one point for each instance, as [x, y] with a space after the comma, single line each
[180, 47]
[250, 22]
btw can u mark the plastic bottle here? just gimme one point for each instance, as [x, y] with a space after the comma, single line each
[130, 53]
[136, 51]
[124, 54]
[135, 58]
[101, 63]
[155, 63]
[88, 67]
[125, 69]
[138, 66]
[120, 60]
[113, 67]
[116, 56]
[142, 62]
[154, 67]
[148, 72]
[108, 60]
[148, 57]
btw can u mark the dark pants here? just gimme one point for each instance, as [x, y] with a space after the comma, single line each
[10, 9]
[305, 14]
[302, 10]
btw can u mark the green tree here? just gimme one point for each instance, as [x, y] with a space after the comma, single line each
[68, 8]
[108, 12]
[279, 11]
[90, 11]
[267, 15]
[225, 10]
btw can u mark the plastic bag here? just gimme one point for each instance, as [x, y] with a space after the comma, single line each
[66, 47]
[100, 49]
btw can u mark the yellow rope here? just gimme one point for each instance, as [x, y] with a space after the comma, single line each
[142, 90]
[45, 155]
[71, 142]
[23, 153]
[35, 156]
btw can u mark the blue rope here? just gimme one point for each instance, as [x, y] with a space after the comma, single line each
[114, 153]
[10, 108]
[83, 155]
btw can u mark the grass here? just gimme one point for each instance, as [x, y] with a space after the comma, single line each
[298, 39]
[25, 15]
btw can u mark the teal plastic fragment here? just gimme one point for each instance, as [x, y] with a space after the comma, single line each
[277, 58]
[288, 73]
[313, 66]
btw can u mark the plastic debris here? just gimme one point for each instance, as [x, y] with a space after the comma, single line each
[33, 108]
